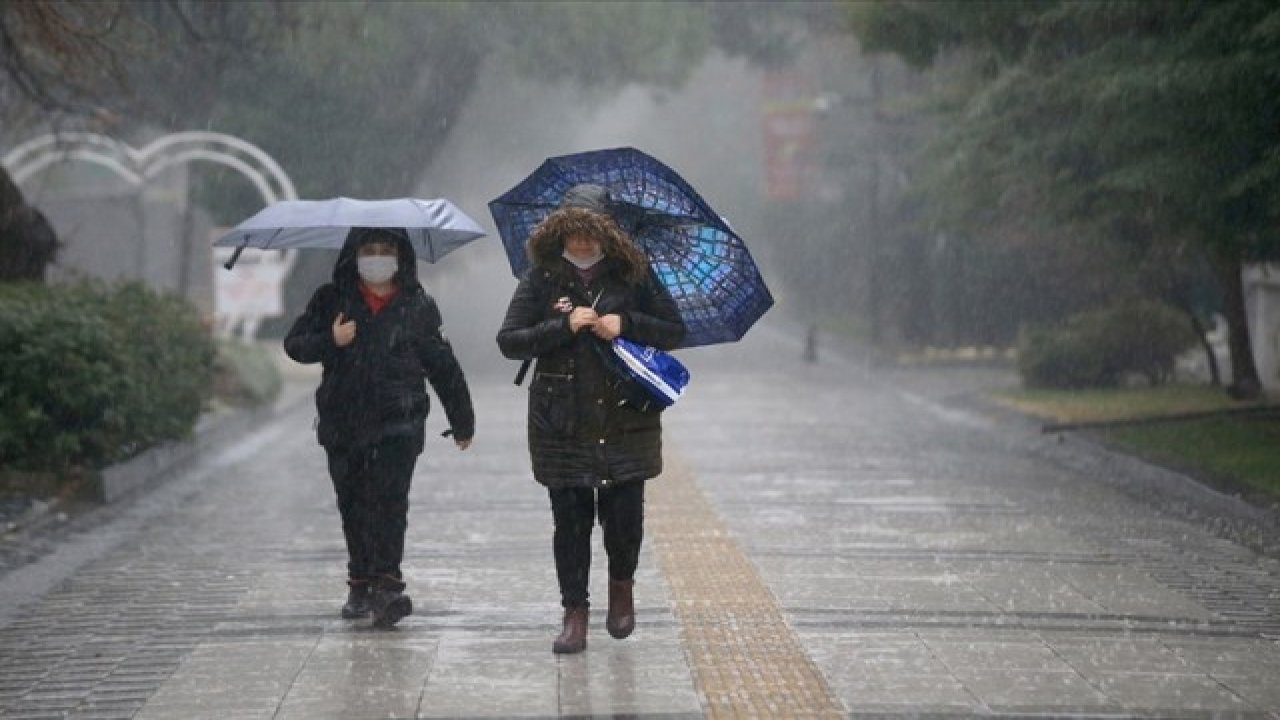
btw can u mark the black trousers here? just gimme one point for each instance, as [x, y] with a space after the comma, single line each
[621, 512]
[372, 485]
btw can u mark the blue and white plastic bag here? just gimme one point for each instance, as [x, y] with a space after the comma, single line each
[653, 379]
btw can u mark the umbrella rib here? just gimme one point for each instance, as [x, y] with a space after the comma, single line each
[272, 240]
[703, 261]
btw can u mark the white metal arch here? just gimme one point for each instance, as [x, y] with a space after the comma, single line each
[137, 166]
[261, 169]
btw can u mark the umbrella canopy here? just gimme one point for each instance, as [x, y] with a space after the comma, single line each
[691, 249]
[435, 227]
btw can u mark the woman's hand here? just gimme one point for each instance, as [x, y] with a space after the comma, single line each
[608, 327]
[463, 444]
[344, 331]
[582, 317]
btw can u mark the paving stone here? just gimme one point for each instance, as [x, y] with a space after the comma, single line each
[1036, 691]
[1171, 691]
[905, 693]
[848, 547]
[1090, 656]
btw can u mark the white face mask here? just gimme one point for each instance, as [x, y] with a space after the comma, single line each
[583, 264]
[376, 269]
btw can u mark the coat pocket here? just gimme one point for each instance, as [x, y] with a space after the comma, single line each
[551, 407]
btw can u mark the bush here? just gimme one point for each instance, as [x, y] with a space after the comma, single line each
[1103, 348]
[1057, 358]
[90, 374]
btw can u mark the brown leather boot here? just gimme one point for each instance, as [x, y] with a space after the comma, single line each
[573, 639]
[621, 619]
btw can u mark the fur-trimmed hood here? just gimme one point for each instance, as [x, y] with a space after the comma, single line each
[545, 247]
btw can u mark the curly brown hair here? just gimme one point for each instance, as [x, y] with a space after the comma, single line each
[546, 242]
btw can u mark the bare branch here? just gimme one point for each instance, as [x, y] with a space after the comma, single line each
[175, 6]
[54, 52]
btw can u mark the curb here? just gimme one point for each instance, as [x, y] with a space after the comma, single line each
[213, 432]
[1226, 511]
[120, 480]
[1179, 493]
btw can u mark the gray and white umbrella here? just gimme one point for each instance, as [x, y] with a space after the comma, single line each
[435, 227]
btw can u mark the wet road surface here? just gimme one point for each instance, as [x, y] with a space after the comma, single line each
[827, 541]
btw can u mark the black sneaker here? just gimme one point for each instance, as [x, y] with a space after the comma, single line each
[388, 607]
[357, 605]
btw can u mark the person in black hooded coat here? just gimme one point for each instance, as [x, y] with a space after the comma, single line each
[589, 447]
[377, 334]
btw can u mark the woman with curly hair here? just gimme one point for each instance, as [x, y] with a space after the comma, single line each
[591, 449]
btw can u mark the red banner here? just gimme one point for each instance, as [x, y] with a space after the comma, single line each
[788, 125]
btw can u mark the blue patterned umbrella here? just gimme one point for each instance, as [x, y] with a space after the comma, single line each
[691, 249]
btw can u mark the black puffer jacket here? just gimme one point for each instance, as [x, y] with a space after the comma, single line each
[579, 433]
[374, 387]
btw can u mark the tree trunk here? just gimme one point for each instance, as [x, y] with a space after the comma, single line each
[1245, 382]
[1202, 334]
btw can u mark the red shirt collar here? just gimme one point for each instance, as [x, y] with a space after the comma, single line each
[375, 302]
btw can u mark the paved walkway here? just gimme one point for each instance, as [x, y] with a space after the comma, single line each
[825, 543]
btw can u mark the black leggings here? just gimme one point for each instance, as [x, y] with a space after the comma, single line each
[621, 510]
[372, 484]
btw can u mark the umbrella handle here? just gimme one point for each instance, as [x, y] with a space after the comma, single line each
[524, 369]
[234, 257]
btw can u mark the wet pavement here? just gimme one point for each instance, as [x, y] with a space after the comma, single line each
[827, 541]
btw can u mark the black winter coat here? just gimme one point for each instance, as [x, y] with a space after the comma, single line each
[373, 388]
[580, 432]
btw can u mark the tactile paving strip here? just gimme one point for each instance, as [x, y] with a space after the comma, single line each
[745, 658]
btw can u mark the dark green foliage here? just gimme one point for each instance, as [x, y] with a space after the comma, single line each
[356, 98]
[58, 366]
[1103, 348]
[353, 98]
[920, 31]
[90, 375]
[1057, 359]
[1151, 126]
[601, 44]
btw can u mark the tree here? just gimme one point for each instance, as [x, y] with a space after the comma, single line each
[1131, 122]
[383, 84]
[73, 63]
[49, 55]
[352, 98]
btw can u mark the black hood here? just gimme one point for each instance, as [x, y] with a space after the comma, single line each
[345, 273]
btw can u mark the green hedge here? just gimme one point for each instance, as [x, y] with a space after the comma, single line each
[1103, 348]
[92, 374]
